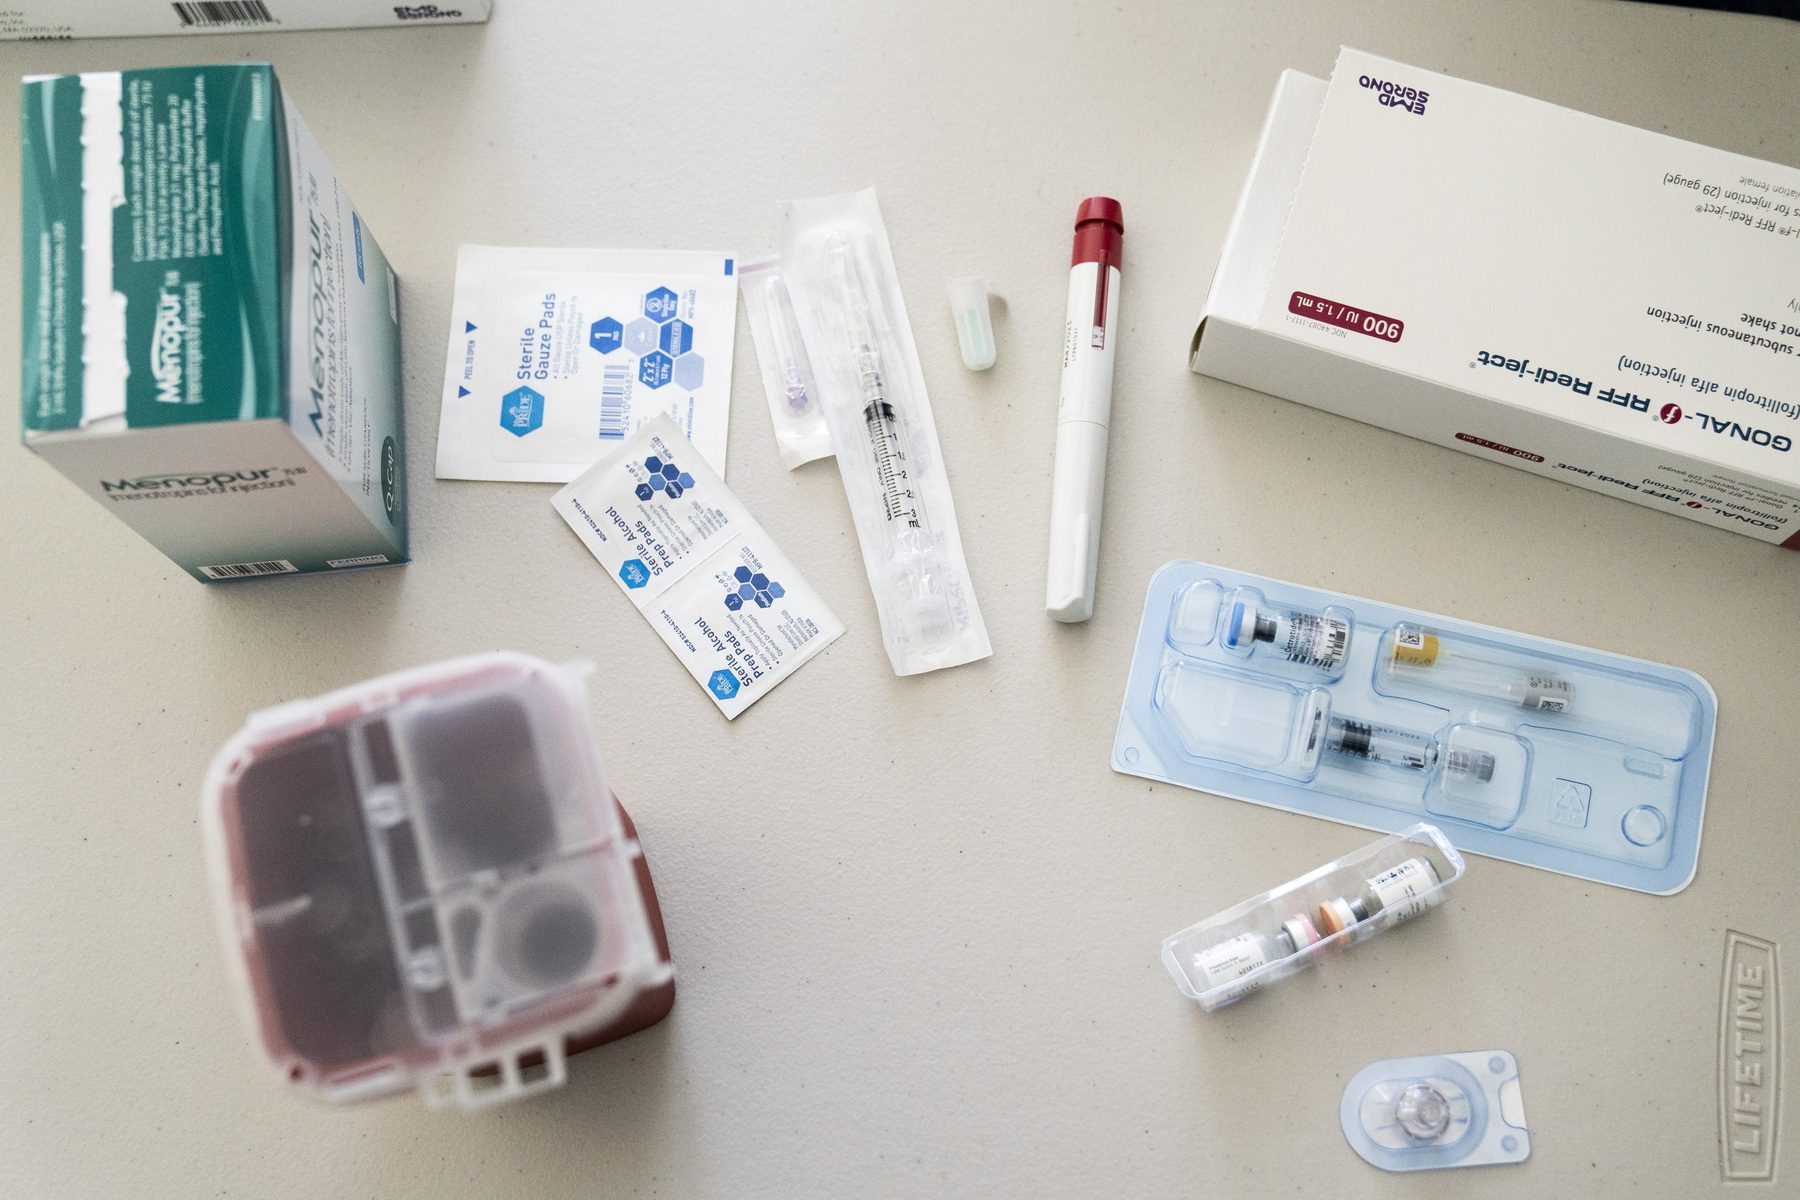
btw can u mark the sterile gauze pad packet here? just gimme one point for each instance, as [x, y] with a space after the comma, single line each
[557, 356]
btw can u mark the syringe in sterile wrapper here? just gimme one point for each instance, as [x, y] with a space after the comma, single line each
[1085, 409]
[912, 550]
[871, 391]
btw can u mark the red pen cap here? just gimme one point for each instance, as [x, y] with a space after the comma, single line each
[1099, 231]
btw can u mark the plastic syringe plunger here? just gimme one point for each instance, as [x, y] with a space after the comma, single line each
[1478, 763]
[1405, 749]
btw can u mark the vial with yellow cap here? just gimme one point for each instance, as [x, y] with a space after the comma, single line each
[1413, 655]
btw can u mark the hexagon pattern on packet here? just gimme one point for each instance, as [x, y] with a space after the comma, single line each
[753, 587]
[660, 304]
[606, 335]
[677, 336]
[663, 342]
[689, 370]
[521, 411]
[655, 369]
[665, 477]
[642, 335]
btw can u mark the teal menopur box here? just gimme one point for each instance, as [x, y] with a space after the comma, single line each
[211, 337]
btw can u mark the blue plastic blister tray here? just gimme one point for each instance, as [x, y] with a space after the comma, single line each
[1520, 748]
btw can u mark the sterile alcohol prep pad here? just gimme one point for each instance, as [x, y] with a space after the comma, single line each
[725, 599]
[558, 356]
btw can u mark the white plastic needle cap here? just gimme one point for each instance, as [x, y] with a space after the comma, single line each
[969, 305]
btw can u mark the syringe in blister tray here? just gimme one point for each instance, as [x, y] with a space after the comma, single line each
[1409, 751]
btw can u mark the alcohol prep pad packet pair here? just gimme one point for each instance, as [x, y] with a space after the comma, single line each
[557, 356]
[717, 590]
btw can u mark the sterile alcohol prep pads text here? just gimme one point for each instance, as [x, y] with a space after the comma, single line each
[721, 595]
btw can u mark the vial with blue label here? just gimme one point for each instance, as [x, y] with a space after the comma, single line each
[1318, 641]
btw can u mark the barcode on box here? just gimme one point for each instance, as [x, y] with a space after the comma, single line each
[615, 397]
[224, 12]
[275, 566]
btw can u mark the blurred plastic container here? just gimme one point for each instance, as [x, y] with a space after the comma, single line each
[424, 881]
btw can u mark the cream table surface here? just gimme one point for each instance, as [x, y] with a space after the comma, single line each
[915, 920]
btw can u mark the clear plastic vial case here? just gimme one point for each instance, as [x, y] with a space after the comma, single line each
[1284, 931]
[1539, 752]
[423, 880]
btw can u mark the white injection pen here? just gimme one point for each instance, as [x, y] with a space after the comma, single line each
[1085, 410]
